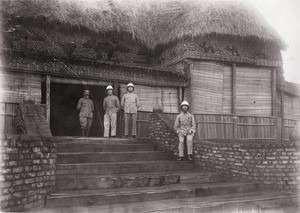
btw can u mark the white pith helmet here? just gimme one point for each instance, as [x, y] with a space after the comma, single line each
[130, 85]
[184, 103]
[109, 87]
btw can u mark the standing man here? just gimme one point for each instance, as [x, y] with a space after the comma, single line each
[131, 104]
[111, 106]
[86, 107]
[185, 128]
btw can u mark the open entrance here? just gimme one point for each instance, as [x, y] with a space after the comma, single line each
[64, 118]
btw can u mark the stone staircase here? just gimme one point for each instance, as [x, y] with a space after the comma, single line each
[113, 171]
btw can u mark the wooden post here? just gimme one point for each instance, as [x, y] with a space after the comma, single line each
[117, 93]
[233, 103]
[274, 92]
[274, 85]
[192, 87]
[180, 99]
[235, 122]
[116, 88]
[48, 98]
[282, 113]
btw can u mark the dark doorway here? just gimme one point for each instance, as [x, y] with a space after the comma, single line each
[64, 120]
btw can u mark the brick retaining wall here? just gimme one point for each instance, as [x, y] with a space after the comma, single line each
[274, 165]
[27, 171]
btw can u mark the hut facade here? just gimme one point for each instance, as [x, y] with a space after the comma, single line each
[221, 56]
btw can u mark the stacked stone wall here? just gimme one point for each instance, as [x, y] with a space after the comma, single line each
[28, 166]
[274, 165]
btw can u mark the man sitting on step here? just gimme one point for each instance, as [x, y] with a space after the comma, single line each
[86, 107]
[185, 128]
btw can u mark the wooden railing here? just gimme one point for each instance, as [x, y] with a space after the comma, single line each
[209, 126]
[142, 124]
[225, 126]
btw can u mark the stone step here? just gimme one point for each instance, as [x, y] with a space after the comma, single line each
[257, 201]
[129, 195]
[122, 167]
[82, 140]
[83, 182]
[98, 147]
[93, 157]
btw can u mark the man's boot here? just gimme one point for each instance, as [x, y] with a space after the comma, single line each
[87, 132]
[190, 158]
[180, 159]
[83, 132]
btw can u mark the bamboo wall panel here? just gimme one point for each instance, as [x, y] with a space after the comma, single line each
[214, 126]
[151, 96]
[256, 127]
[8, 118]
[15, 86]
[227, 89]
[288, 126]
[187, 94]
[254, 91]
[291, 107]
[221, 126]
[142, 124]
[288, 106]
[296, 108]
[207, 87]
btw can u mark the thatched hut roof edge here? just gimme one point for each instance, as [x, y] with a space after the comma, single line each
[152, 22]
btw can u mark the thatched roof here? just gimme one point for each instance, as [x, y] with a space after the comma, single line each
[151, 22]
[292, 88]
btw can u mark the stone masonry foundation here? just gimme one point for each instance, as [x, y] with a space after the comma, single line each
[274, 165]
[28, 166]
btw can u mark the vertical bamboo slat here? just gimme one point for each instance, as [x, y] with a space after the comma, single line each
[180, 96]
[233, 106]
[48, 98]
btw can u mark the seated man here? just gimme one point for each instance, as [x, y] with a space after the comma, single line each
[185, 128]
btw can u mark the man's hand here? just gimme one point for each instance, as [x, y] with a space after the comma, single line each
[191, 132]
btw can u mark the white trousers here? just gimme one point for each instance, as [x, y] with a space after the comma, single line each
[189, 143]
[110, 120]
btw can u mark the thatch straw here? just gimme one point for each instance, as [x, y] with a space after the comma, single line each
[152, 22]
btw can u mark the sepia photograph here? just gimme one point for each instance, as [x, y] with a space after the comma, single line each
[150, 106]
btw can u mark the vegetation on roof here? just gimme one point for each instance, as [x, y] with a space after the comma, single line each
[151, 22]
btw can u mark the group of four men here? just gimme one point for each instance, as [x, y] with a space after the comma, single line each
[184, 124]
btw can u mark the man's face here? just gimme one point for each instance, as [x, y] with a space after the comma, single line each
[109, 92]
[184, 108]
[86, 94]
[130, 89]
